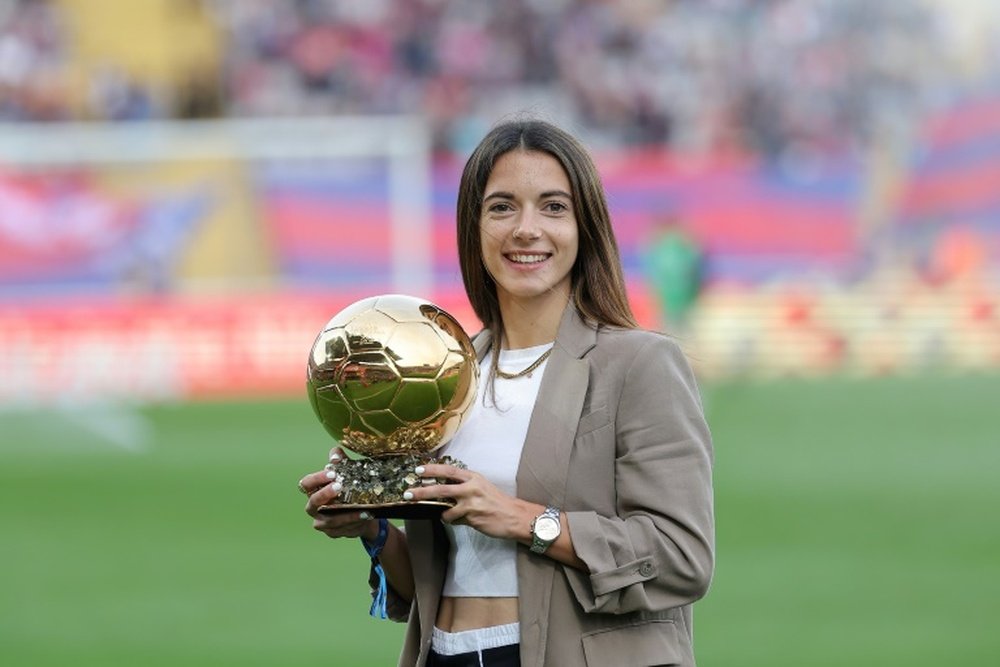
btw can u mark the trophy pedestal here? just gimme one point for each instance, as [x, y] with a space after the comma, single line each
[376, 485]
[408, 509]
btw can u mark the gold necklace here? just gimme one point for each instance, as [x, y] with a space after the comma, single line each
[520, 374]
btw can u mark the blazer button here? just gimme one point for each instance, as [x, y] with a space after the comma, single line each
[646, 569]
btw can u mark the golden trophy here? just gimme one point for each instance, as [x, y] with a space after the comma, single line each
[391, 378]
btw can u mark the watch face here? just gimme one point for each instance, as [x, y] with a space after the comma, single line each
[547, 528]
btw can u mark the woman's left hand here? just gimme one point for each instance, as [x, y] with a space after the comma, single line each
[478, 502]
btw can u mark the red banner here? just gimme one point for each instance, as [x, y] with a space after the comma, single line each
[163, 349]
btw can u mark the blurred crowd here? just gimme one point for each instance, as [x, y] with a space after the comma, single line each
[699, 75]
[780, 78]
[33, 62]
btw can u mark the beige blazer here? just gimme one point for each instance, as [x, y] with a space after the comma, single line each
[618, 440]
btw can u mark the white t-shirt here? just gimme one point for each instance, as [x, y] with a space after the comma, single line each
[490, 443]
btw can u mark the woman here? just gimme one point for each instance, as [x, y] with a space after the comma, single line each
[583, 527]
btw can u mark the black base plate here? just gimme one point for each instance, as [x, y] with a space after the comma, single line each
[419, 509]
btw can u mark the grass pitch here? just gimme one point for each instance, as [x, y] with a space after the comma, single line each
[856, 525]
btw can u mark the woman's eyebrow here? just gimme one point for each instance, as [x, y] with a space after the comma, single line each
[555, 193]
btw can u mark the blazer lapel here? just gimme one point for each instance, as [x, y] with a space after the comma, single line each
[542, 472]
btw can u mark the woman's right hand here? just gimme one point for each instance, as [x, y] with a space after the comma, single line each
[323, 487]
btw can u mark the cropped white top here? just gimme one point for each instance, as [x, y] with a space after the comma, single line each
[490, 442]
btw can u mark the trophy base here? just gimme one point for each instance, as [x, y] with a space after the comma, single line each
[408, 509]
[376, 486]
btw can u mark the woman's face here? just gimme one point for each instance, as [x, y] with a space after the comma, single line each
[528, 227]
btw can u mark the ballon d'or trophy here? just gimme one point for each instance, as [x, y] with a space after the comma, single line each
[391, 378]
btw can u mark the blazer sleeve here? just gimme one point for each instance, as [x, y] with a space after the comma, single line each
[658, 551]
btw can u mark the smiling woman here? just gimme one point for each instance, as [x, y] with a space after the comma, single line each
[582, 529]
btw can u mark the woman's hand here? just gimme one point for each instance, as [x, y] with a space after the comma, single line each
[323, 488]
[479, 503]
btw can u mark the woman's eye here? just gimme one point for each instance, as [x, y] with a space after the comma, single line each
[556, 207]
[499, 208]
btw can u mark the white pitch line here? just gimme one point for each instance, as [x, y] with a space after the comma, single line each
[117, 425]
[84, 425]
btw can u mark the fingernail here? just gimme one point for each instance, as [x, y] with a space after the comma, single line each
[329, 466]
[336, 486]
[364, 515]
[407, 495]
[331, 475]
[419, 470]
[334, 457]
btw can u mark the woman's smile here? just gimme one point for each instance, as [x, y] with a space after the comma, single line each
[527, 259]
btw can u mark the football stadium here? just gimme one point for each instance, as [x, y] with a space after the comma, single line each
[805, 195]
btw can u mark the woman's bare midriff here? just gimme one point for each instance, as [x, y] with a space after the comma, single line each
[459, 614]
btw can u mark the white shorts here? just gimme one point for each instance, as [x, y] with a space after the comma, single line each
[473, 641]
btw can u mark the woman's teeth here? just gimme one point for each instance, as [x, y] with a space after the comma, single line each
[527, 259]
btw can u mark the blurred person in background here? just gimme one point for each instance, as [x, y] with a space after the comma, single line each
[673, 262]
[583, 529]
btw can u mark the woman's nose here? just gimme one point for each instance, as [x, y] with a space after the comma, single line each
[527, 228]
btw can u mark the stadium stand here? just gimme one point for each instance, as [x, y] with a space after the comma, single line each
[837, 161]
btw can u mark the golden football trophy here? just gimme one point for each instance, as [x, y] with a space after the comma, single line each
[391, 378]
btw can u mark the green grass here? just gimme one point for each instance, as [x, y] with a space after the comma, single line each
[856, 525]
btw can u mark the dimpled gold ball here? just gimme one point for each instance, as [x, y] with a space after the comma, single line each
[392, 375]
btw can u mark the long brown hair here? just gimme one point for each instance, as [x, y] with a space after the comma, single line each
[598, 286]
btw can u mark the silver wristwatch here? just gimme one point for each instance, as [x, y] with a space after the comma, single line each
[545, 529]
